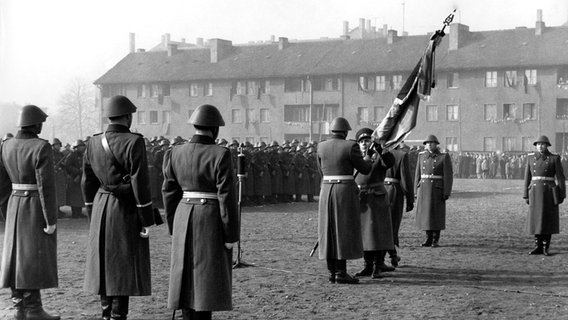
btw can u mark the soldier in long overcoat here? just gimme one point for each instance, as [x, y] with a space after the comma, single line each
[339, 218]
[376, 220]
[117, 195]
[543, 194]
[27, 185]
[60, 175]
[201, 210]
[73, 165]
[399, 183]
[434, 179]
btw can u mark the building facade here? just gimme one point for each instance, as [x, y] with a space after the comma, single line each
[496, 90]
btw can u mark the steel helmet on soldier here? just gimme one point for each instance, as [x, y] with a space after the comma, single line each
[119, 106]
[30, 115]
[78, 143]
[7, 136]
[431, 138]
[339, 124]
[542, 139]
[207, 116]
[56, 141]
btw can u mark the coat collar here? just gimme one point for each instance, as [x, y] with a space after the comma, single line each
[23, 134]
[113, 127]
[433, 154]
[197, 138]
[543, 155]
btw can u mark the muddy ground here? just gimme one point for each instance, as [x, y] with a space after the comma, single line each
[480, 271]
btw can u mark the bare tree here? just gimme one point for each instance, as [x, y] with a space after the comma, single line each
[77, 116]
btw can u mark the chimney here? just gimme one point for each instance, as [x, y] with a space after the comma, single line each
[272, 38]
[385, 30]
[391, 36]
[283, 43]
[199, 42]
[362, 27]
[368, 27]
[172, 49]
[539, 28]
[141, 50]
[458, 36]
[182, 40]
[220, 49]
[132, 42]
[345, 28]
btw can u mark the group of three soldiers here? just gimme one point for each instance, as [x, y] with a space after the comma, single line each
[200, 207]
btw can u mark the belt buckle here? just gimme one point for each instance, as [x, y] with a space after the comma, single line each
[203, 200]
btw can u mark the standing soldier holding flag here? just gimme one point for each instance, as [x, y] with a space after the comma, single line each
[339, 222]
[27, 183]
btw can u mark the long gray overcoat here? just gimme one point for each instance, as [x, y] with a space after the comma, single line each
[339, 221]
[400, 190]
[201, 266]
[543, 215]
[432, 192]
[29, 255]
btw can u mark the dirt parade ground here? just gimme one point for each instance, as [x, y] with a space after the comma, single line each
[480, 271]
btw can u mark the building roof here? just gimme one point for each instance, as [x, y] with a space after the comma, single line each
[515, 48]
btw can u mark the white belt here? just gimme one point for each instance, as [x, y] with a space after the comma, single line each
[340, 177]
[21, 186]
[200, 195]
[392, 180]
[543, 178]
[430, 176]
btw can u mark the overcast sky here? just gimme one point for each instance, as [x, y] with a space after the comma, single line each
[44, 44]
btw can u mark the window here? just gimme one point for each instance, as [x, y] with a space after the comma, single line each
[489, 144]
[251, 115]
[143, 91]
[166, 117]
[250, 139]
[381, 83]
[264, 115]
[296, 113]
[452, 143]
[366, 83]
[397, 81]
[265, 140]
[189, 113]
[491, 79]
[294, 85]
[208, 89]
[431, 113]
[510, 79]
[530, 75]
[153, 117]
[490, 112]
[561, 108]
[236, 116]
[155, 90]
[509, 111]
[529, 111]
[380, 113]
[332, 84]
[362, 114]
[194, 89]
[324, 112]
[453, 79]
[252, 87]
[141, 117]
[113, 90]
[266, 87]
[318, 84]
[241, 87]
[452, 113]
[527, 143]
[508, 143]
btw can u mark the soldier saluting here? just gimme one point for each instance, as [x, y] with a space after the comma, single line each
[117, 195]
[27, 183]
[202, 214]
[543, 194]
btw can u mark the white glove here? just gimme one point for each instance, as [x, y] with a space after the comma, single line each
[145, 233]
[229, 246]
[50, 229]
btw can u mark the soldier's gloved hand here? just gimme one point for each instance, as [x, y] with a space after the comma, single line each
[145, 233]
[527, 201]
[229, 246]
[50, 229]
[409, 206]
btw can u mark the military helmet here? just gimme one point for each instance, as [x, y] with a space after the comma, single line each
[339, 124]
[364, 133]
[78, 143]
[274, 144]
[208, 116]
[542, 139]
[7, 136]
[223, 142]
[431, 138]
[164, 142]
[178, 139]
[56, 141]
[119, 106]
[30, 115]
[262, 144]
[234, 143]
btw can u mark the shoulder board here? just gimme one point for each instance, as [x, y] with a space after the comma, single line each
[422, 152]
[96, 134]
[43, 140]
[530, 154]
[138, 134]
[443, 153]
[554, 154]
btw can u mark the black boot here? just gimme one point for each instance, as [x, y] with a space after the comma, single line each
[368, 268]
[428, 242]
[76, 212]
[331, 269]
[395, 258]
[436, 238]
[188, 314]
[538, 241]
[380, 262]
[341, 275]
[18, 304]
[33, 307]
[546, 244]
[106, 307]
[119, 307]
